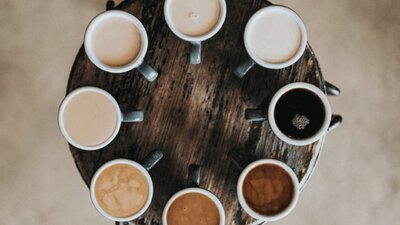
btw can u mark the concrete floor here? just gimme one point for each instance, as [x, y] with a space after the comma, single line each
[356, 182]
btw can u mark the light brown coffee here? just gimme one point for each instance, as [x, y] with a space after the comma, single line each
[90, 118]
[275, 36]
[121, 190]
[268, 189]
[116, 41]
[193, 209]
[195, 17]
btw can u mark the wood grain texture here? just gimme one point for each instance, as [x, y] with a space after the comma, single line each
[195, 113]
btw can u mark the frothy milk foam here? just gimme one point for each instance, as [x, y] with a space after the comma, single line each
[116, 41]
[121, 190]
[195, 17]
[275, 36]
[90, 118]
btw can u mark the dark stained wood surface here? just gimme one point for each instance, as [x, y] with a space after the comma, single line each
[195, 113]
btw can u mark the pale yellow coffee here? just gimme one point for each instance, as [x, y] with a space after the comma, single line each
[195, 17]
[121, 190]
[90, 118]
[116, 41]
[275, 36]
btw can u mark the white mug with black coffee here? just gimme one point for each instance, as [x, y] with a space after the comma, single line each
[275, 37]
[116, 42]
[195, 21]
[193, 205]
[299, 114]
[90, 118]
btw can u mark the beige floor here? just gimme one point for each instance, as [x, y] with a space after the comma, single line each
[358, 177]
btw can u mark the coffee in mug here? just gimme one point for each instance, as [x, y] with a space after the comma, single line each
[299, 114]
[90, 118]
[268, 190]
[193, 208]
[193, 205]
[195, 21]
[275, 37]
[116, 42]
[122, 189]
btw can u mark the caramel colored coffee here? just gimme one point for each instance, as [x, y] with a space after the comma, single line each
[195, 17]
[121, 190]
[116, 41]
[268, 189]
[90, 118]
[193, 209]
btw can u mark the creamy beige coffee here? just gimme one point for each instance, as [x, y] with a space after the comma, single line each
[121, 190]
[116, 41]
[193, 209]
[275, 36]
[195, 17]
[90, 118]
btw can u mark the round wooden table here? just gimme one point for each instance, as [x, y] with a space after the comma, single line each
[194, 114]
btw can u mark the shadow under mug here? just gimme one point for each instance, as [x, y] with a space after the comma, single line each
[148, 163]
[193, 186]
[253, 58]
[329, 122]
[148, 72]
[135, 116]
[261, 219]
[195, 41]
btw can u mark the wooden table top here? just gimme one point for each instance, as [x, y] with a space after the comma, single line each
[194, 114]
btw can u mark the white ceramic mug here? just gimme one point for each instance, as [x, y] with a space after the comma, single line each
[193, 184]
[195, 41]
[148, 72]
[150, 161]
[258, 115]
[135, 116]
[264, 218]
[245, 66]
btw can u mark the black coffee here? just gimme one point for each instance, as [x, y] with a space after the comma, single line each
[299, 113]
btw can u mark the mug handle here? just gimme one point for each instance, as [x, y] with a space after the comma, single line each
[244, 67]
[331, 89]
[254, 115]
[336, 120]
[135, 116]
[195, 52]
[147, 71]
[110, 4]
[193, 176]
[152, 159]
[121, 223]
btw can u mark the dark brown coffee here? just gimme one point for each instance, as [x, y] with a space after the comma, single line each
[268, 189]
[299, 113]
[193, 209]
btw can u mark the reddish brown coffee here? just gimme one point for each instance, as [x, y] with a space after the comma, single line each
[268, 189]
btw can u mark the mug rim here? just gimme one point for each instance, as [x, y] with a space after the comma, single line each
[198, 38]
[88, 41]
[64, 104]
[133, 164]
[255, 214]
[288, 62]
[199, 190]
[327, 108]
